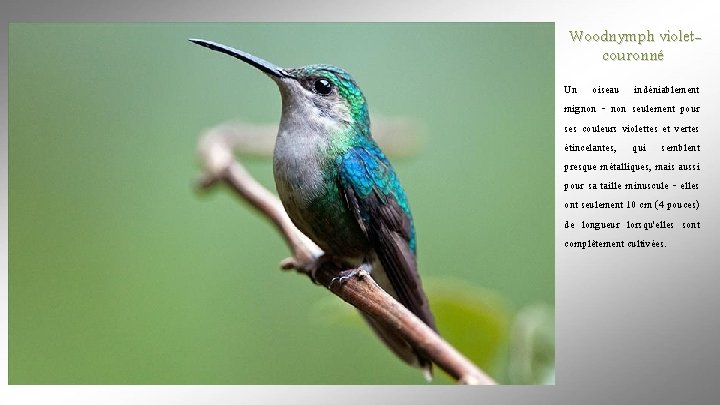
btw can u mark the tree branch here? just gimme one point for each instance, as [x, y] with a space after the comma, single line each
[220, 166]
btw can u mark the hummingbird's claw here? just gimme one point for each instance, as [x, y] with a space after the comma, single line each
[310, 268]
[345, 275]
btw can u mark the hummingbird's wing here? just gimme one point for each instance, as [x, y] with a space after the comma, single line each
[378, 203]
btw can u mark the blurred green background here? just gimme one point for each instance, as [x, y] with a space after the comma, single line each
[120, 273]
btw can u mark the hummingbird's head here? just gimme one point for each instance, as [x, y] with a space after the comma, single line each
[329, 92]
[324, 97]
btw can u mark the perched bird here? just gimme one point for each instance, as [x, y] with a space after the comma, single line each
[339, 188]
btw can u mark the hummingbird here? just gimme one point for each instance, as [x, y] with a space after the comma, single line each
[340, 189]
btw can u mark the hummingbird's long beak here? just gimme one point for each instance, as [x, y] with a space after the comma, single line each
[261, 64]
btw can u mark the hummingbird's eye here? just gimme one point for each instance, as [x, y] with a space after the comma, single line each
[323, 86]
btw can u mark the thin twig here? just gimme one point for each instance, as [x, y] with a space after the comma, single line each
[216, 152]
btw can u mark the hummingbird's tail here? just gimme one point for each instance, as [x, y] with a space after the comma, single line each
[392, 339]
[400, 347]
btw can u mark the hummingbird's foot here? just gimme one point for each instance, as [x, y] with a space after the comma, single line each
[345, 275]
[311, 267]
